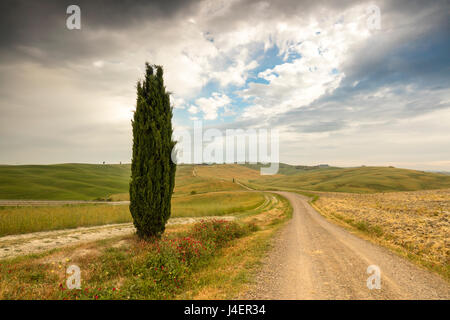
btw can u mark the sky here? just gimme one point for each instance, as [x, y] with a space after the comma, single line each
[341, 87]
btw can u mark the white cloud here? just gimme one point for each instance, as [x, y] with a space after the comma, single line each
[237, 72]
[98, 64]
[320, 48]
[211, 106]
[178, 103]
[193, 109]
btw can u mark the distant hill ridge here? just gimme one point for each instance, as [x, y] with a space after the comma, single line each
[91, 181]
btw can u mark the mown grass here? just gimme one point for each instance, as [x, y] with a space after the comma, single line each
[412, 224]
[357, 180]
[17, 220]
[211, 259]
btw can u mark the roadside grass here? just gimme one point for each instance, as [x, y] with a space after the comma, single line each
[232, 274]
[211, 259]
[411, 224]
[18, 220]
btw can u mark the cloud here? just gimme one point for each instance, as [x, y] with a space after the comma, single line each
[193, 109]
[333, 88]
[212, 105]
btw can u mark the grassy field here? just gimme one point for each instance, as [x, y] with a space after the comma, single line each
[287, 169]
[91, 181]
[190, 180]
[356, 180]
[415, 224]
[63, 181]
[17, 220]
[210, 260]
[227, 172]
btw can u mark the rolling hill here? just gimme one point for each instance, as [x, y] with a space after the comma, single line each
[358, 180]
[94, 181]
[63, 181]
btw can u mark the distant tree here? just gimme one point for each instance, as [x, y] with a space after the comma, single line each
[152, 171]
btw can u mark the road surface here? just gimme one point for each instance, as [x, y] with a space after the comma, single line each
[315, 259]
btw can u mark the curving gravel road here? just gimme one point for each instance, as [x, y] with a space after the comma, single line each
[315, 259]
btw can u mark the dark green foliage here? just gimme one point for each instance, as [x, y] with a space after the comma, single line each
[152, 170]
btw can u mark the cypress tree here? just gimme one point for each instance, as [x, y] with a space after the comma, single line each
[152, 170]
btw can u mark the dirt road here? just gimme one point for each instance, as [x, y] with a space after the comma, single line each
[21, 244]
[315, 259]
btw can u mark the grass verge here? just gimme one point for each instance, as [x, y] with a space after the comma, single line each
[211, 260]
[383, 235]
[19, 220]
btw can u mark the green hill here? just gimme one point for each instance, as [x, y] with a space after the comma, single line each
[92, 181]
[358, 180]
[63, 181]
[288, 169]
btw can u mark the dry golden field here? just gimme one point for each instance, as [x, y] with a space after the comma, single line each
[417, 221]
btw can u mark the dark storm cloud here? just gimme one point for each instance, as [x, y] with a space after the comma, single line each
[412, 68]
[421, 59]
[36, 30]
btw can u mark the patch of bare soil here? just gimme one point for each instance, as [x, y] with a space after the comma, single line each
[16, 245]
